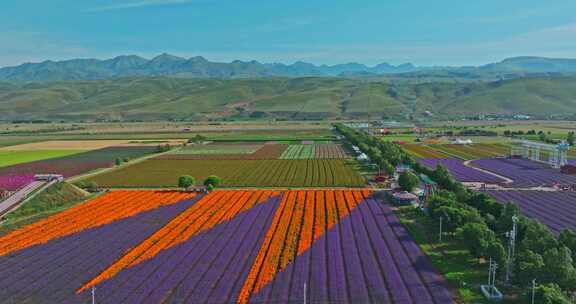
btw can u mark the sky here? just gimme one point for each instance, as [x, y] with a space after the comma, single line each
[423, 32]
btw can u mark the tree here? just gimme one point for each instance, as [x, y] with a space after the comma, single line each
[477, 237]
[387, 167]
[408, 181]
[443, 177]
[504, 222]
[571, 138]
[542, 136]
[186, 181]
[533, 235]
[213, 181]
[528, 266]
[496, 251]
[197, 139]
[568, 238]
[455, 217]
[560, 267]
[485, 204]
[163, 148]
[91, 186]
[548, 294]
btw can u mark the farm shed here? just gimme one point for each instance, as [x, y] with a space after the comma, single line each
[405, 198]
[568, 169]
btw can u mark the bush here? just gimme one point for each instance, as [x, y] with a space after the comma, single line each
[91, 187]
[213, 181]
[163, 148]
[198, 139]
[408, 181]
[186, 181]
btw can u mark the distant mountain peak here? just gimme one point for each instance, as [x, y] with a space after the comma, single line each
[167, 57]
[198, 59]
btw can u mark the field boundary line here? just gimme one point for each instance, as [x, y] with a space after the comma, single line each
[445, 152]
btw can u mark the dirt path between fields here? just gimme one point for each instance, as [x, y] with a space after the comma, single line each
[469, 165]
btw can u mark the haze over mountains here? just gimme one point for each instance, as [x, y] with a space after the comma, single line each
[199, 67]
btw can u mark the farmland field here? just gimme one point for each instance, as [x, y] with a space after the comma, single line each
[8, 158]
[13, 177]
[299, 152]
[525, 173]
[236, 173]
[474, 151]
[85, 145]
[224, 247]
[330, 151]
[557, 210]
[218, 149]
[268, 151]
[459, 171]
[423, 151]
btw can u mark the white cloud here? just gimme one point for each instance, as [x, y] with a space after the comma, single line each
[138, 4]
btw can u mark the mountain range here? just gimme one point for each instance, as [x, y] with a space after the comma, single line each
[199, 67]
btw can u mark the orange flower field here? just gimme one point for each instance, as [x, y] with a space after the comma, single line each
[103, 210]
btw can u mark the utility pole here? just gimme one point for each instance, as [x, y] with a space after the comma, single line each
[511, 247]
[533, 290]
[304, 292]
[492, 276]
[490, 273]
[440, 233]
[93, 295]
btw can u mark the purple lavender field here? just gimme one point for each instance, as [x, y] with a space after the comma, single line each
[365, 257]
[459, 171]
[16, 176]
[51, 273]
[525, 173]
[557, 210]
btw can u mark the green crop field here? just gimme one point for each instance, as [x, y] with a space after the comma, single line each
[236, 173]
[8, 158]
[299, 152]
[474, 151]
[217, 149]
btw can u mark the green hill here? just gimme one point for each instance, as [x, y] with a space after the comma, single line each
[161, 98]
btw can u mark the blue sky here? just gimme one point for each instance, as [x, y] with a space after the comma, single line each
[424, 32]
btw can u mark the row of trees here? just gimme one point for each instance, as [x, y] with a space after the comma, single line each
[187, 181]
[385, 155]
[481, 224]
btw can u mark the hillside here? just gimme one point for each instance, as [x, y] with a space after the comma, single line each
[161, 98]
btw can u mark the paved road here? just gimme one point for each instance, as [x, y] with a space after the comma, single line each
[19, 196]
